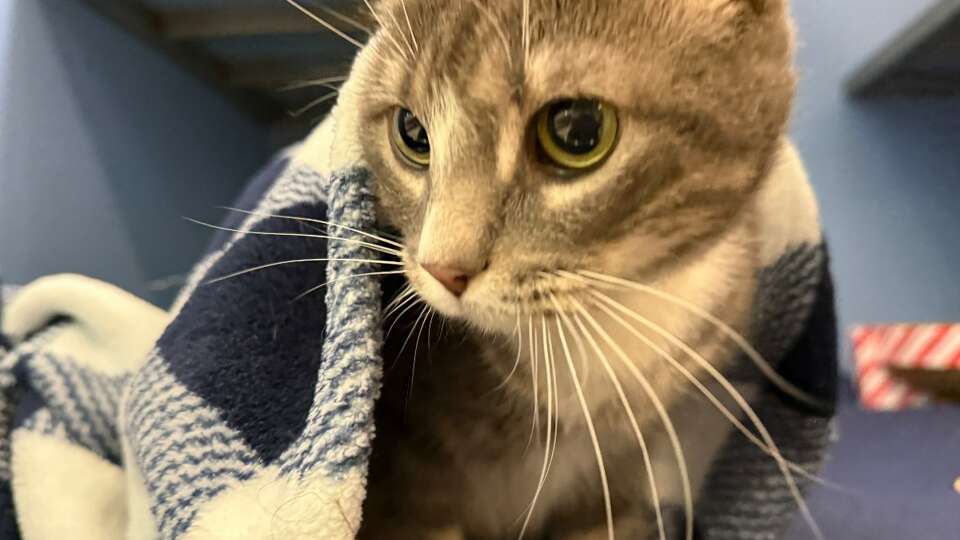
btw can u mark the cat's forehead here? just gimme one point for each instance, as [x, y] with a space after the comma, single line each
[492, 52]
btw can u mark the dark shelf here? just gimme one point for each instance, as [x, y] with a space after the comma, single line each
[250, 51]
[922, 60]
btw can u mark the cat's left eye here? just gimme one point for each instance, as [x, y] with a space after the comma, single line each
[410, 138]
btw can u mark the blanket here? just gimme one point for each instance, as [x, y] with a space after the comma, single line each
[246, 412]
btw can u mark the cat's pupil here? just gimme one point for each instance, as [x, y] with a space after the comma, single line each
[576, 126]
[412, 132]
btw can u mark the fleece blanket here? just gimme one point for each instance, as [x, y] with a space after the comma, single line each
[246, 412]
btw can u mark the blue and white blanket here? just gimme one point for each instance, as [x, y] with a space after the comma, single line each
[247, 413]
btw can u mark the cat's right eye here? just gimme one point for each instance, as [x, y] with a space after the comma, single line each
[577, 135]
[410, 138]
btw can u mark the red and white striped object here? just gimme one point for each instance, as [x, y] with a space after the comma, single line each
[920, 346]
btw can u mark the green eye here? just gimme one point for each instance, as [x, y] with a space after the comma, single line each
[577, 134]
[410, 138]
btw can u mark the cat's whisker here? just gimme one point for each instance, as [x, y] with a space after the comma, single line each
[368, 245]
[325, 24]
[416, 344]
[403, 294]
[406, 15]
[548, 446]
[534, 361]
[411, 302]
[413, 361]
[628, 409]
[401, 300]
[689, 376]
[332, 281]
[746, 408]
[660, 409]
[607, 502]
[386, 31]
[526, 35]
[741, 342]
[412, 330]
[313, 104]
[328, 224]
[403, 35]
[556, 398]
[327, 82]
[298, 261]
[516, 364]
[350, 21]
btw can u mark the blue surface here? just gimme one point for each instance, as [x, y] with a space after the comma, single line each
[895, 472]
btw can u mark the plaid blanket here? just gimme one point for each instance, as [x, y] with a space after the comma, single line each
[242, 414]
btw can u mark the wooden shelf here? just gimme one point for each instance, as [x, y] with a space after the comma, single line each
[923, 60]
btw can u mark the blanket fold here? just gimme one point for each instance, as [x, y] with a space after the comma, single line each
[247, 412]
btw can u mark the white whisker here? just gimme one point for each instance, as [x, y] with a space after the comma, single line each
[746, 408]
[548, 446]
[403, 35]
[687, 374]
[386, 31]
[297, 261]
[516, 364]
[328, 224]
[406, 15]
[348, 20]
[368, 245]
[410, 303]
[332, 281]
[658, 407]
[764, 366]
[413, 367]
[313, 104]
[526, 35]
[534, 361]
[608, 505]
[326, 82]
[397, 304]
[641, 440]
[404, 292]
[325, 24]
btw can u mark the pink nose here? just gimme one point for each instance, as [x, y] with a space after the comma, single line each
[455, 280]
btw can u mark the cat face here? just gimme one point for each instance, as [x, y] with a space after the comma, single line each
[510, 139]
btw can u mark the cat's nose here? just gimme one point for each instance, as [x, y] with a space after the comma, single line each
[453, 279]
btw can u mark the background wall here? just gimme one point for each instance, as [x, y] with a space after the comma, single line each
[887, 172]
[104, 146]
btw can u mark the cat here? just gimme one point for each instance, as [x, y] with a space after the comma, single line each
[533, 155]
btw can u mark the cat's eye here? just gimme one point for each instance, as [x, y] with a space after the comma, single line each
[410, 138]
[577, 134]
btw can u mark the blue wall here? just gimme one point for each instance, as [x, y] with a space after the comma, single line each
[104, 146]
[887, 172]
